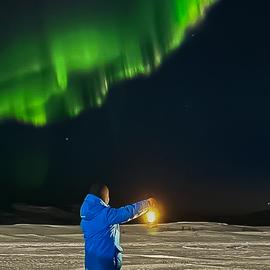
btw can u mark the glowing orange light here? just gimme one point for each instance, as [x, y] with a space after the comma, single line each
[151, 217]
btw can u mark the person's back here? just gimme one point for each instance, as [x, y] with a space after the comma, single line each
[100, 226]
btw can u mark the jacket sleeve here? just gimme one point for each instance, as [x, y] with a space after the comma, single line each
[126, 213]
[84, 210]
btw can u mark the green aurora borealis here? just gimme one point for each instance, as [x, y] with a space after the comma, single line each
[64, 58]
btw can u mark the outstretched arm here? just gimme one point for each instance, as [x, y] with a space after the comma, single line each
[128, 212]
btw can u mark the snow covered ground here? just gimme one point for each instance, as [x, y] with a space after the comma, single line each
[170, 246]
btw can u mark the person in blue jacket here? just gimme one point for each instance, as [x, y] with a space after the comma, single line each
[100, 226]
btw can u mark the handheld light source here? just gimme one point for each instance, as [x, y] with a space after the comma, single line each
[151, 217]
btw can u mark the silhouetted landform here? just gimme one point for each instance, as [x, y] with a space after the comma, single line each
[30, 214]
[22, 213]
[260, 218]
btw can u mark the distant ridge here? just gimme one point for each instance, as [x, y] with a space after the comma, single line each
[32, 214]
[22, 213]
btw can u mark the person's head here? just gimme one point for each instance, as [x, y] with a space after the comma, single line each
[101, 191]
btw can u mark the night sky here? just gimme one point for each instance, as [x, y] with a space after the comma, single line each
[195, 134]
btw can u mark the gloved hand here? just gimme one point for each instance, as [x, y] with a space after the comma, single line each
[152, 203]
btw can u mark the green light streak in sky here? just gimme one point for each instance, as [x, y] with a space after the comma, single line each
[64, 59]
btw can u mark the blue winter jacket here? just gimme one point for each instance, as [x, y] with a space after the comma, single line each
[100, 226]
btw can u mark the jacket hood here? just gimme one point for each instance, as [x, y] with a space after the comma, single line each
[91, 207]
